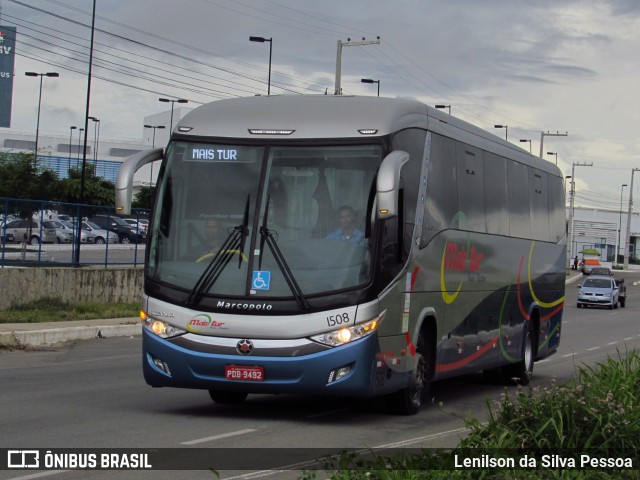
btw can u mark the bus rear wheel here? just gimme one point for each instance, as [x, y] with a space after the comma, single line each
[520, 373]
[227, 397]
[409, 400]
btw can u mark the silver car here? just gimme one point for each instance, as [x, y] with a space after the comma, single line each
[598, 290]
[63, 234]
[29, 231]
[69, 226]
[98, 235]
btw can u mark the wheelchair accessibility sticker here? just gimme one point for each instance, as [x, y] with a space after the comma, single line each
[261, 280]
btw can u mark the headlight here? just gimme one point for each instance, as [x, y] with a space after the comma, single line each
[349, 334]
[160, 328]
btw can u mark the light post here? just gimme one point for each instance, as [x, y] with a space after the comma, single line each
[167, 100]
[565, 183]
[80, 130]
[71, 129]
[554, 153]
[96, 136]
[506, 130]
[35, 74]
[153, 145]
[627, 239]
[619, 223]
[262, 40]
[524, 141]
[448, 107]
[573, 194]
[369, 80]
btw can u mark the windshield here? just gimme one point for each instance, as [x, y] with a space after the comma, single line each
[597, 283]
[248, 221]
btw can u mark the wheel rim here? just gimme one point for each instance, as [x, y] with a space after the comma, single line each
[528, 355]
[419, 375]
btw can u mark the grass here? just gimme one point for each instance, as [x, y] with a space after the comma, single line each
[55, 310]
[597, 413]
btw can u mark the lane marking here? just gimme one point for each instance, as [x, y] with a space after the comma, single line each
[592, 348]
[611, 343]
[569, 355]
[628, 339]
[218, 437]
[40, 475]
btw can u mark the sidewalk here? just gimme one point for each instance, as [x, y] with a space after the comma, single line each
[19, 335]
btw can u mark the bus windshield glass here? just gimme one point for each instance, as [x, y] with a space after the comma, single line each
[247, 221]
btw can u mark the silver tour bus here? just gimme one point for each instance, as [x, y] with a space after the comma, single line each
[349, 246]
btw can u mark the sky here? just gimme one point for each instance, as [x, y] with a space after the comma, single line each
[557, 66]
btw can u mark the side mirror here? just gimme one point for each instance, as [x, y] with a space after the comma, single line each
[388, 184]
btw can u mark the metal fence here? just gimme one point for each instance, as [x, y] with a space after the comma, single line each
[27, 237]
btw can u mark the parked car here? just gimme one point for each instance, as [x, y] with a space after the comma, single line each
[63, 234]
[598, 290]
[115, 224]
[137, 224]
[601, 271]
[98, 235]
[587, 265]
[29, 231]
[84, 237]
[5, 237]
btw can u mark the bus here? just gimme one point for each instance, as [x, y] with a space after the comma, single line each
[366, 247]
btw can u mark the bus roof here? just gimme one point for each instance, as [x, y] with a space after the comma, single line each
[338, 117]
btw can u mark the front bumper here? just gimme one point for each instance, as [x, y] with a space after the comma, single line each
[307, 373]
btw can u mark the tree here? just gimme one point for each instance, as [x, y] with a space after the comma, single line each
[144, 198]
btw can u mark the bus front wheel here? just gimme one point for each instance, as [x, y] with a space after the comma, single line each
[409, 400]
[227, 397]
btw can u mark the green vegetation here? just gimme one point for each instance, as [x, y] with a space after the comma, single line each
[597, 413]
[54, 310]
[21, 178]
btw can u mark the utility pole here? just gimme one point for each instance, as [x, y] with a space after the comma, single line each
[549, 134]
[348, 43]
[627, 238]
[572, 193]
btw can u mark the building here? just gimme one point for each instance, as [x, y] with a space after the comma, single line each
[62, 152]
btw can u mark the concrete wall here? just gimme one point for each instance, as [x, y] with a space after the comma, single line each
[21, 285]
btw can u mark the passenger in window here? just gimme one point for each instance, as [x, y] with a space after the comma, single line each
[348, 230]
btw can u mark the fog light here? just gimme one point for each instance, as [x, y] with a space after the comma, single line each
[339, 373]
[161, 365]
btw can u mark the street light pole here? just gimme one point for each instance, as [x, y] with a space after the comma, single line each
[619, 223]
[573, 194]
[153, 145]
[71, 129]
[96, 133]
[80, 130]
[506, 131]
[554, 153]
[35, 74]
[369, 80]
[262, 40]
[166, 100]
[627, 240]
[440, 106]
[524, 141]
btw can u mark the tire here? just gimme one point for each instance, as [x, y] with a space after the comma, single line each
[124, 239]
[227, 398]
[409, 400]
[99, 241]
[520, 373]
[34, 239]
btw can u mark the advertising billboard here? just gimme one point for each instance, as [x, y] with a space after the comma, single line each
[7, 56]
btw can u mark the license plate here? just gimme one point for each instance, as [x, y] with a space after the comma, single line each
[237, 372]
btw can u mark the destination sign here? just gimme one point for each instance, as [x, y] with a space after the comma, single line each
[223, 153]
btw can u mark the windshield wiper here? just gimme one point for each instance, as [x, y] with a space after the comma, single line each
[267, 237]
[233, 244]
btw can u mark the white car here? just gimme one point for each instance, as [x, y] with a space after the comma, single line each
[97, 235]
[140, 224]
[68, 226]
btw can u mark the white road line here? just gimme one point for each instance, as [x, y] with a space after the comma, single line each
[628, 339]
[593, 348]
[569, 355]
[218, 437]
[611, 343]
[433, 436]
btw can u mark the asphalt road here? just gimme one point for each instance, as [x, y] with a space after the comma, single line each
[92, 394]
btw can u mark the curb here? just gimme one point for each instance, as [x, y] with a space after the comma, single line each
[55, 336]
